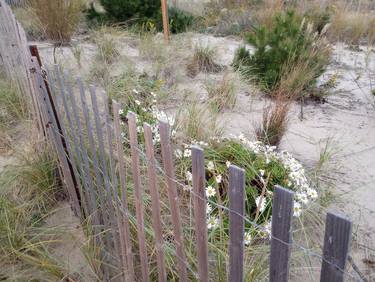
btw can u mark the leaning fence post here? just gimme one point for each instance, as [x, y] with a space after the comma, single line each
[236, 223]
[336, 246]
[200, 212]
[281, 234]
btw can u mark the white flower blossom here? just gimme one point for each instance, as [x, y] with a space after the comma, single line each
[210, 166]
[208, 208]
[228, 164]
[247, 238]
[178, 153]
[189, 176]
[218, 178]
[210, 191]
[135, 91]
[137, 102]
[297, 209]
[212, 222]
[120, 112]
[261, 203]
[261, 172]
[187, 153]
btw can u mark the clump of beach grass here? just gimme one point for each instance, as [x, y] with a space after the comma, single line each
[203, 60]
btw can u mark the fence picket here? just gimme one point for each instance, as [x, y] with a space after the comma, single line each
[155, 202]
[199, 203]
[282, 213]
[336, 246]
[127, 246]
[138, 194]
[236, 223]
[166, 152]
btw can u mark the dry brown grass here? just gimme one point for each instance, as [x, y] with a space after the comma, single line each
[352, 27]
[274, 122]
[58, 19]
[203, 61]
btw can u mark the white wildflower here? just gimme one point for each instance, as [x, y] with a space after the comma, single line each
[120, 112]
[228, 163]
[137, 102]
[210, 166]
[210, 191]
[189, 176]
[247, 238]
[178, 153]
[297, 209]
[312, 193]
[261, 203]
[212, 222]
[208, 208]
[218, 178]
[261, 172]
[135, 91]
[187, 153]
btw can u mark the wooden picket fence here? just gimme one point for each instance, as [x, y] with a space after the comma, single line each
[121, 186]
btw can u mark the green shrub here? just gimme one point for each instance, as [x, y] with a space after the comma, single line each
[179, 21]
[143, 13]
[288, 42]
[124, 10]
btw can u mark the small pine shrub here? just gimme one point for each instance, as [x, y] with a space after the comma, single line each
[289, 41]
[179, 21]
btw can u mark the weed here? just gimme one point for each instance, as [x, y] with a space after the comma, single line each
[58, 19]
[274, 123]
[13, 111]
[194, 121]
[77, 51]
[105, 42]
[203, 61]
[29, 190]
[222, 94]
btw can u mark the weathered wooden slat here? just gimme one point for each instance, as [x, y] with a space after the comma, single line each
[78, 166]
[104, 169]
[166, 151]
[236, 223]
[337, 240]
[155, 202]
[92, 145]
[281, 234]
[113, 177]
[58, 144]
[199, 202]
[127, 245]
[138, 194]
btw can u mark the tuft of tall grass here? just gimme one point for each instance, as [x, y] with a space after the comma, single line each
[203, 61]
[274, 123]
[13, 110]
[59, 19]
[107, 50]
[222, 94]
[195, 121]
[29, 189]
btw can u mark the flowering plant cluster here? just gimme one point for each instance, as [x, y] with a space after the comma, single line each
[146, 111]
[264, 168]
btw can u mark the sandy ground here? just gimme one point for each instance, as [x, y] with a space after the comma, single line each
[345, 121]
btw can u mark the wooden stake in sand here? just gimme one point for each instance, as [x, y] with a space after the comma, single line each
[164, 10]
